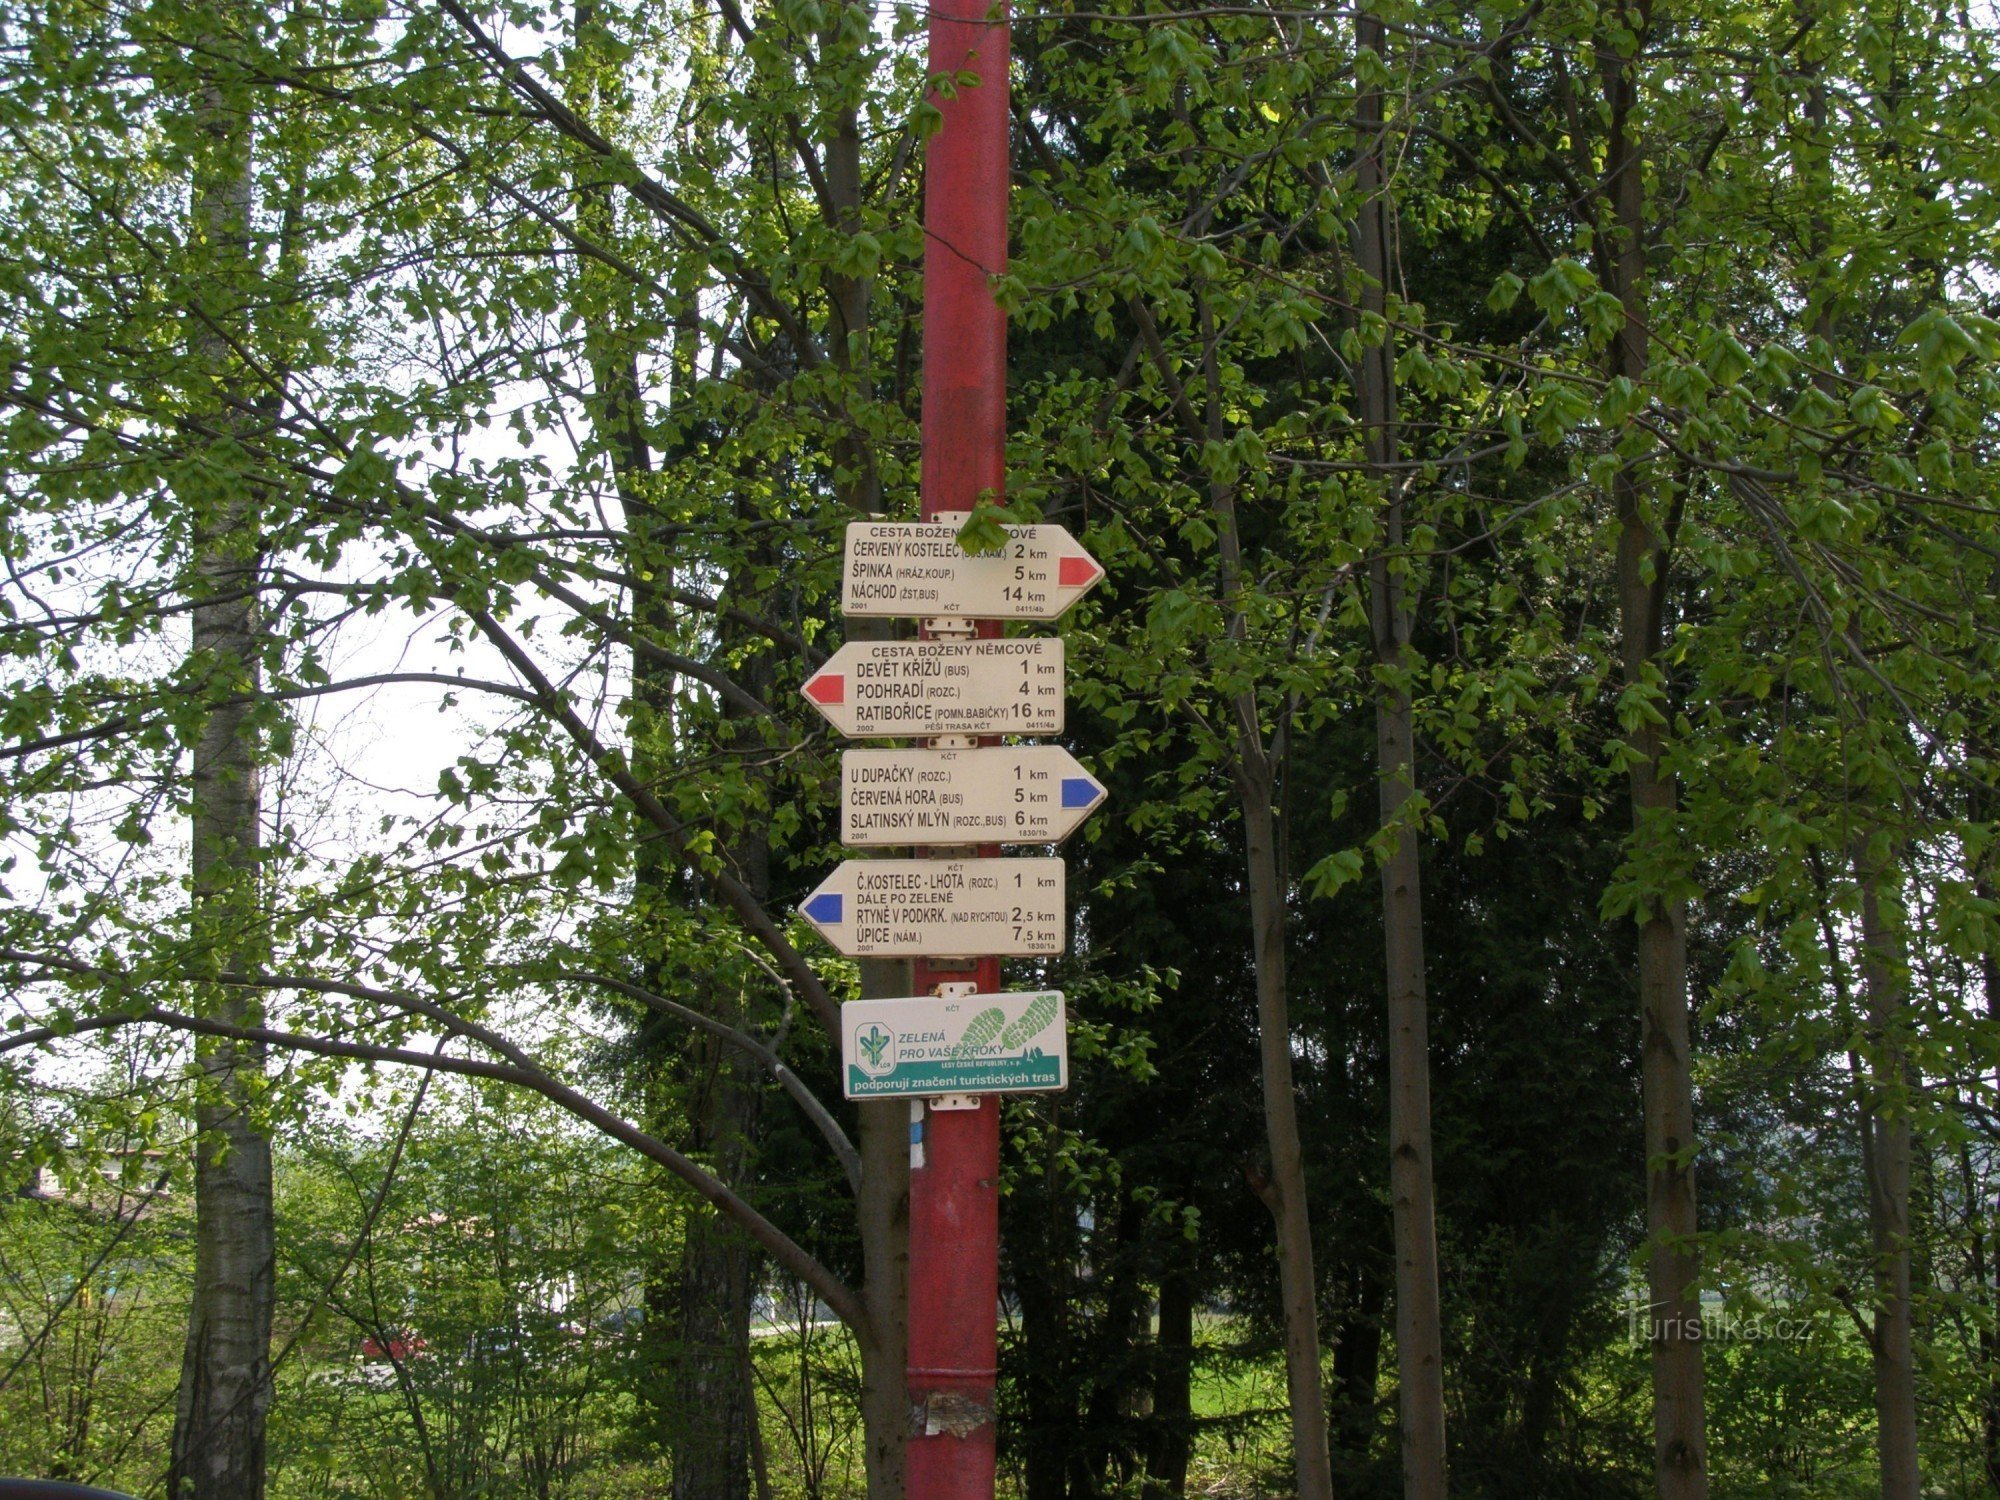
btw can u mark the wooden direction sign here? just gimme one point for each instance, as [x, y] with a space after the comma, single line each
[969, 1044]
[921, 688]
[915, 568]
[1010, 794]
[941, 908]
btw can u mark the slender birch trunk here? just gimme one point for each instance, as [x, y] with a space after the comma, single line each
[1282, 1182]
[1680, 1445]
[1989, 1325]
[1986, 1342]
[1419, 1336]
[1886, 1157]
[1283, 1188]
[217, 1447]
[1255, 767]
[1283, 1185]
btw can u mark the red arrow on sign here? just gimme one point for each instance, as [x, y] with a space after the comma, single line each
[828, 687]
[1076, 572]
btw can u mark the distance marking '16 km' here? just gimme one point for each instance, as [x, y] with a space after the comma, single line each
[917, 568]
[972, 1044]
[941, 908]
[920, 688]
[1009, 794]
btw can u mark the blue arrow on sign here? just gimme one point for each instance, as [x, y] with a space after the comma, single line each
[824, 908]
[1080, 791]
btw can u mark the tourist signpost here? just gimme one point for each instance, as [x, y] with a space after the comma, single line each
[953, 1048]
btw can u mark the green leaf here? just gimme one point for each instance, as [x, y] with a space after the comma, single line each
[985, 529]
[1341, 868]
[1506, 291]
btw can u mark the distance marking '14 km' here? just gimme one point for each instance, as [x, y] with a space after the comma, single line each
[1009, 794]
[916, 568]
[941, 908]
[920, 688]
[973, 1044]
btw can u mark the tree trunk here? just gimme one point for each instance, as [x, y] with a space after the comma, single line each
[1976, 1206]
[1281, 1183]
[883, 1211]
[700, 1404]
[1885, 1143]
[225, 1389]
[713, 1405]
[1419, 1338]
[1885, 1125]
[1985, 1343]
[1667, 1087]
[1680, 1445]
[1357, 1365]
[1107, 1465]
[1040, 1240]
[884, 1217]
[1283, 1189]
[1173, 1391]
[711, 1433]
[217, 1447]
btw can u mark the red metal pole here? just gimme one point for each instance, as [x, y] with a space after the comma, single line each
[954, 1291]
[965, 243]
[954, 1195]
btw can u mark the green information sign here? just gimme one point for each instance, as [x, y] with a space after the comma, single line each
[969, 1044]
